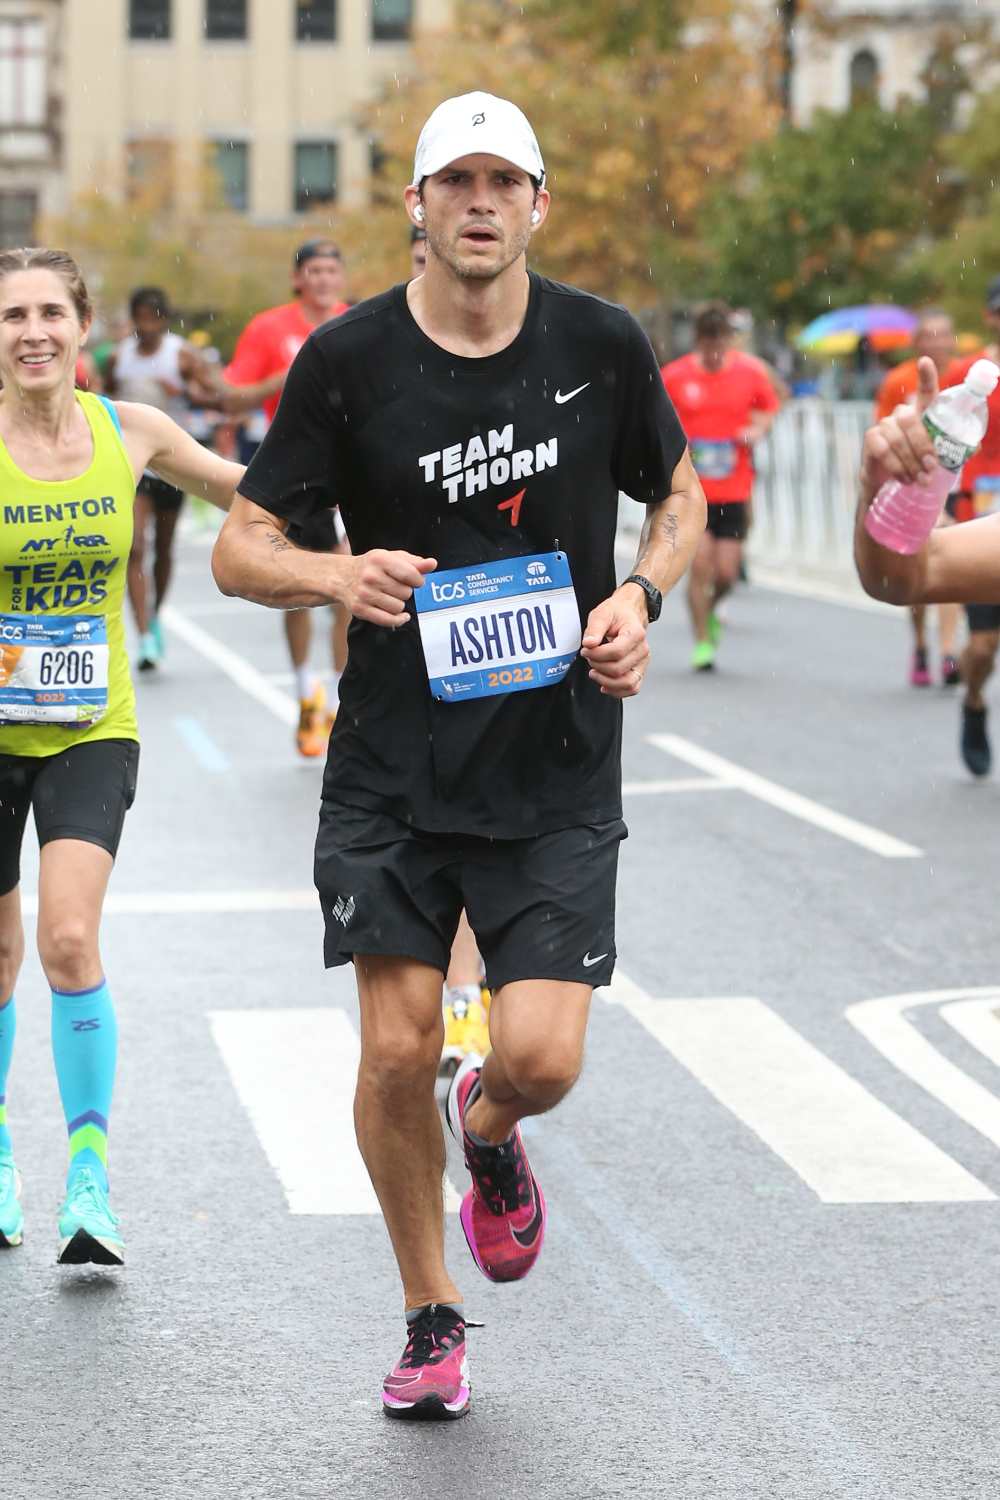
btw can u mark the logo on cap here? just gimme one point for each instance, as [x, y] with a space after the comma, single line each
[479, 119]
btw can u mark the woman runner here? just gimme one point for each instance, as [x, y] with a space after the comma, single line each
[69, 461]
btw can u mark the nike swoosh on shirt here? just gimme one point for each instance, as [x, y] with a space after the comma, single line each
[561, 399]
[526, 1237]
[588, 962]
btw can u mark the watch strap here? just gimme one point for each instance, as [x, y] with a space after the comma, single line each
[654, 599]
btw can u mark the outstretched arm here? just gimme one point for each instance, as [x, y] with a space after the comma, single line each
[957, 564]
[614, 642]
[154, 441]
[254, 559]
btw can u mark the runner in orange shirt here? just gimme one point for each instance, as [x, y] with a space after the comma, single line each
[255, 377]
[726, 404]
[934, 336]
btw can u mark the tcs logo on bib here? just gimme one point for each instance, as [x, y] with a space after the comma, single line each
[443, 592]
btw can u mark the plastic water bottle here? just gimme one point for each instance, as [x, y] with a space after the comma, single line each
[902, 516]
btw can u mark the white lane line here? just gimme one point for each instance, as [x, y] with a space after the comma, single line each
[677, 784]
[979, 1022]
[883, 1023]
[195, 903]
[789, 802]
[844, 1143]
[232, 663]
[201, 745]
[295, 1072]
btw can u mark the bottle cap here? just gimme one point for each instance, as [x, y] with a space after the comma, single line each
[982, 378]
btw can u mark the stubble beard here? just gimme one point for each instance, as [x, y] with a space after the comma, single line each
[510, 249]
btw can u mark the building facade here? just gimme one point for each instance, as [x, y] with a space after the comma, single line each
[131, 97]
[894, 49]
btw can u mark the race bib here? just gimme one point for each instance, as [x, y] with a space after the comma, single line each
[713, 460]
[54, 670]
[501, 627]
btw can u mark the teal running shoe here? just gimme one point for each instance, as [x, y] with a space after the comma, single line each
[11, 1217]
[156, 631]
[88, 1230]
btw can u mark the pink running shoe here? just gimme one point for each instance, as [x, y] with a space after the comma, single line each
[430, 1383]
[919, 675]
[503, 1213]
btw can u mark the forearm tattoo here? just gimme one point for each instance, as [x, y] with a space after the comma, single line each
[278, 542]
[669, 528]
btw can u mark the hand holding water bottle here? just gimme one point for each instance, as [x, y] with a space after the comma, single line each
[915, 457]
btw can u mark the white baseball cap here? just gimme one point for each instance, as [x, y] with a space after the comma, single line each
[474, 123]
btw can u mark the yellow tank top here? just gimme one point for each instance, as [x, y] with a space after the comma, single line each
[64, 547]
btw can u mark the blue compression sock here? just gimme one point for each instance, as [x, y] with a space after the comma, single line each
[8, 1025]
[84, 1049]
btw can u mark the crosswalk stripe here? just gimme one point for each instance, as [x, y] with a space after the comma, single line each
[844, 1143]
[883, 1023]
[978, 1021]
[295, 1072]
[779, 796]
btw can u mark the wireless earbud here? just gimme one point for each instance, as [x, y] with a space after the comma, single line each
[535, 216]
[418, 213]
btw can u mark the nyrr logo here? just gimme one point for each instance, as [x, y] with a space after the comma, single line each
[442, 592]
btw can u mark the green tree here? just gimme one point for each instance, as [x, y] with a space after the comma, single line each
[841, 212]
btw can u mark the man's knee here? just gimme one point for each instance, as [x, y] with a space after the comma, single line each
[983, 644]
[11, 958]
[543, 1075]
[402, 1056]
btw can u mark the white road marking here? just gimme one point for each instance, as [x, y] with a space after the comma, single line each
[789, 802]
[678, 784]
[295, 1072]
[201, 745]
[883, 1023]
[232, 663]
[979, 1022]
[195, 903]
[844, 1143]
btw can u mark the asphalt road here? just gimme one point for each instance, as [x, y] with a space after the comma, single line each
[705, 1320]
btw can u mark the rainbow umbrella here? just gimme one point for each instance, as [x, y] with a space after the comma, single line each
[838, 332]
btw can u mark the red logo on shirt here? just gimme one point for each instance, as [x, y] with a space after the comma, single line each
[513, 505]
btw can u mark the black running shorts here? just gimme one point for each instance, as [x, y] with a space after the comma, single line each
[983, 616]
[728, 519]
[165, 497]
[541, 908]
[81, 793]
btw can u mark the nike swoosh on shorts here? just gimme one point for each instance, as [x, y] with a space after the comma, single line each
[588, 962]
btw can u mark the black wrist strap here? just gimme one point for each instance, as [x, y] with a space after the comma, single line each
[654, 599]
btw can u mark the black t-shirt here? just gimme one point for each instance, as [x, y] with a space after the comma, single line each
[420, 449]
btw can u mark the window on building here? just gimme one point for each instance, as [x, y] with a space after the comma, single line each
[864, 76]
[315, 173]
[149, 20]
[226, 20]
[231, 162]
[149, 168]
[392, 20]
[18, 213]
[316, 21]
[23, 86]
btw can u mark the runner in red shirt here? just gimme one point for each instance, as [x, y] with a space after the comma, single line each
[978, 495]
[726, 404]
[254, 379]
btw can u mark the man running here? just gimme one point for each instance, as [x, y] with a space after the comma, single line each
[933, 338]
[978, 494]
[154, 367]
[260, 362]
[726, 405]
[488, 417]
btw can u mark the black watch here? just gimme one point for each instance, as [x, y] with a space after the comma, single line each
[654, 599]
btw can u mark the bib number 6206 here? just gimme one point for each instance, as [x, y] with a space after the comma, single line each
[66, 668]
